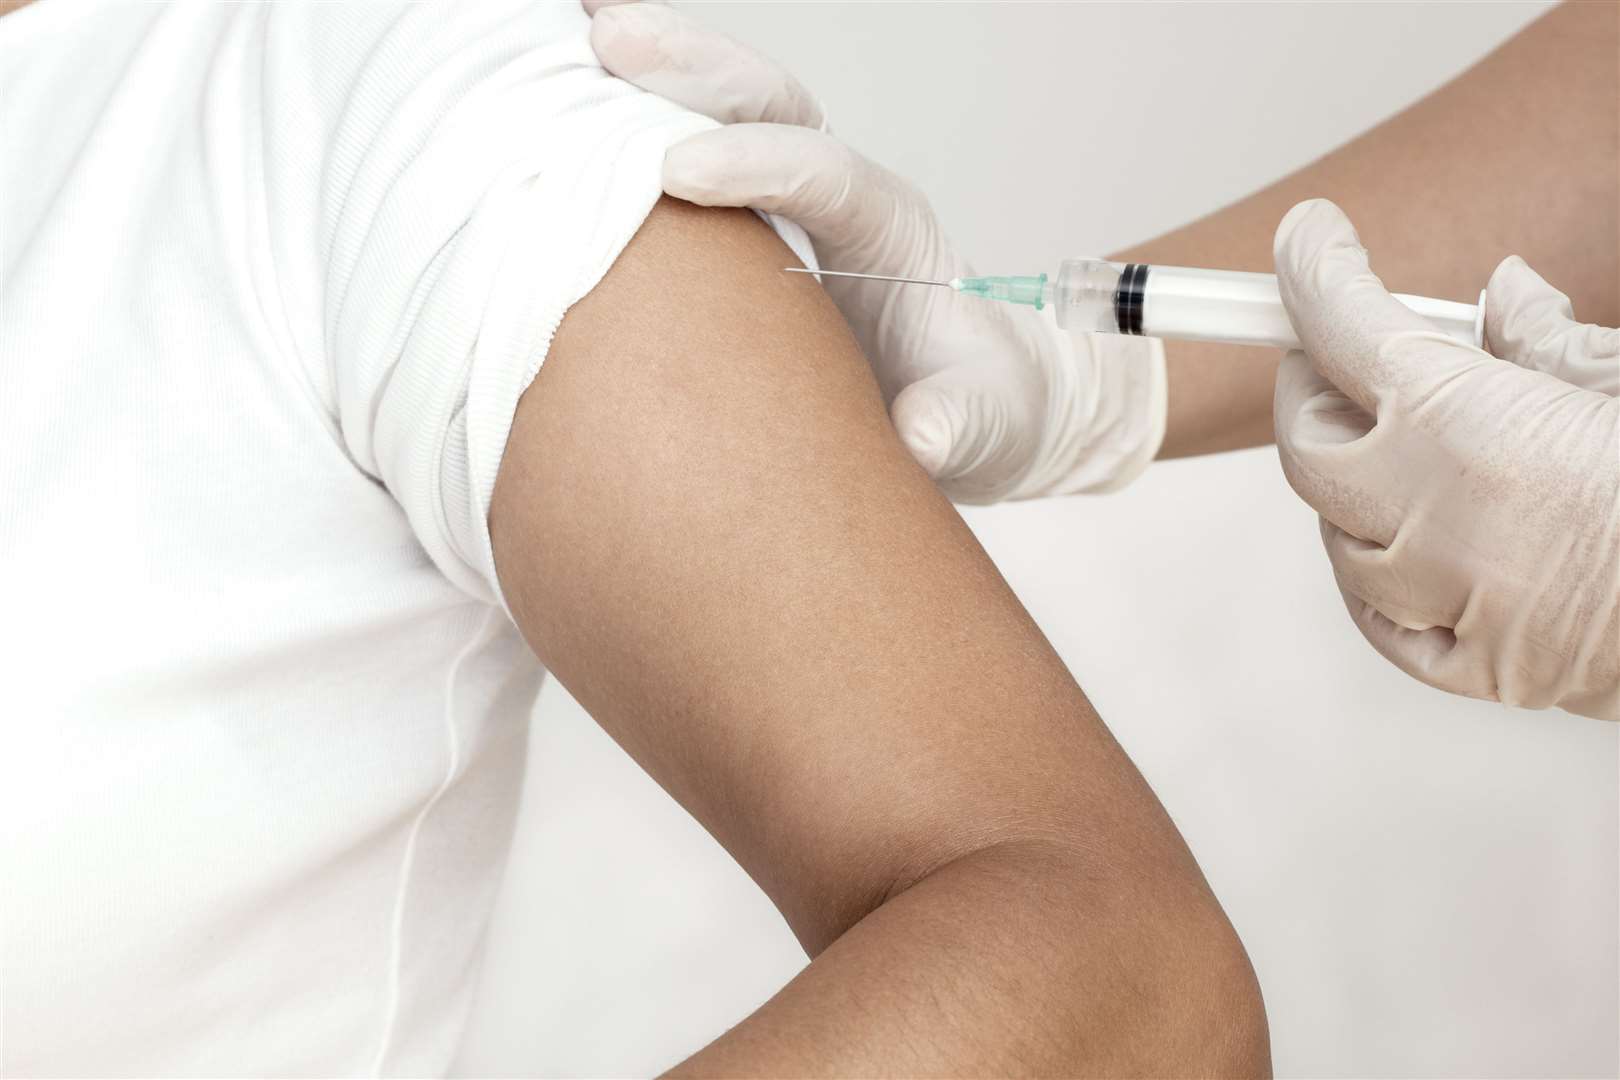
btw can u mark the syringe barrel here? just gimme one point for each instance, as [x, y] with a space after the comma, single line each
[1230, 306]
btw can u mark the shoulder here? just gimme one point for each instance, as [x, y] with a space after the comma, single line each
[691, 370]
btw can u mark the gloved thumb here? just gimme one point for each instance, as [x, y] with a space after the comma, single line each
[964, 434]
[1339, 308]
[840, 198]
[1532, 324]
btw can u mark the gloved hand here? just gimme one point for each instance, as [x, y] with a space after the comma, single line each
[994, 402]
[1470, 505]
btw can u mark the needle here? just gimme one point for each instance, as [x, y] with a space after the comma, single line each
[870, 277]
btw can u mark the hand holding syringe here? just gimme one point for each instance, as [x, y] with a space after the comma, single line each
[1230, 306]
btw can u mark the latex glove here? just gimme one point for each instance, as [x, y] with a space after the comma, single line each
[995, 402]
[1470, 505]
[1532, 324]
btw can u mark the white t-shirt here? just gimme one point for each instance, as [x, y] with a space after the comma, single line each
[272, 278]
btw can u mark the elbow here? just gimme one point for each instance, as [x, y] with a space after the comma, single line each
[1195, 1002]
[1161, 985]
[1211, 1002]
[1076, 962]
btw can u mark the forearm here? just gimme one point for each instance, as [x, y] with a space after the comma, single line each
[1519, 155]
[1018, 959]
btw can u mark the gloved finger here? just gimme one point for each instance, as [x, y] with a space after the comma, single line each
[1381, 577]
[840, 197]
[663, 51]
[1431, 656]
[1532, 324]
[964, 434]
[1355, 332]
[1324, 442]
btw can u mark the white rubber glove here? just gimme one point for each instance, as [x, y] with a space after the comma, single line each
[995, 402]
[1532, 324]
[1470, 505]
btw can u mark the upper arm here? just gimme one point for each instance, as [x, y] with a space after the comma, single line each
[707, 529]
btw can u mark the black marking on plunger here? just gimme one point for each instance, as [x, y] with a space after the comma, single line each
[1128, 298]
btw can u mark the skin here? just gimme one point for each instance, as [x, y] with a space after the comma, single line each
[1518, 155]
[708, 530]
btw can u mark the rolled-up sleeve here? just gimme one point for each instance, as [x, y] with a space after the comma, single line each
[478, 174]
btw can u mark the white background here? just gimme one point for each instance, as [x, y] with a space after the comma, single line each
[1427, 885]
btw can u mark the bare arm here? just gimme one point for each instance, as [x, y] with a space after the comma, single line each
[1518, 155]
[708, 530]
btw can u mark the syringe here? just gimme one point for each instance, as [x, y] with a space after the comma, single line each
[1231, 306]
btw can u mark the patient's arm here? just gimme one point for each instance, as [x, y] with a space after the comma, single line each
[708, 531]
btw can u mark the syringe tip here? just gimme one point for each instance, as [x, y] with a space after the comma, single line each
[1020, 289]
